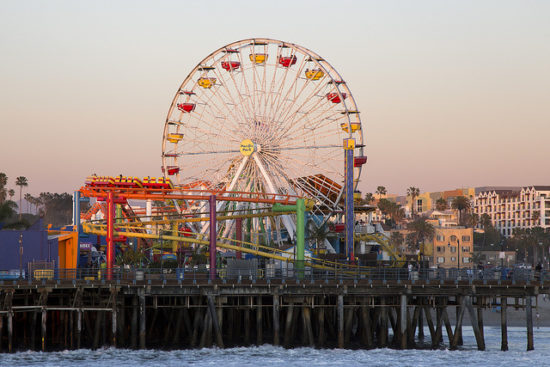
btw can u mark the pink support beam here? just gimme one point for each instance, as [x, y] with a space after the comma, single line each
[110, 237]
[213, 235]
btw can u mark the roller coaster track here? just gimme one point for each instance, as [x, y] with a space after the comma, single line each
[227, 244]
[384, 242]
[187, 194]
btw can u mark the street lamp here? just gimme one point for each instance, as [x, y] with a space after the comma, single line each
[458, 251]
[20, 255]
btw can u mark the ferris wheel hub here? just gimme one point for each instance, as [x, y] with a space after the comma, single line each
[247, 147]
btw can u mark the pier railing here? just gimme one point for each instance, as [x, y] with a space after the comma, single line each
[513, 275]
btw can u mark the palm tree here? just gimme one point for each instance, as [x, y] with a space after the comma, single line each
[369, 198]
[21, 181]
[423, 231]
[413, 192]
[7, 210]
[441, 204]
[460, 203]
[28, 199]
[381, 190]
[3, 183]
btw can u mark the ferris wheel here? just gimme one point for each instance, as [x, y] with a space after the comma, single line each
[262, 115]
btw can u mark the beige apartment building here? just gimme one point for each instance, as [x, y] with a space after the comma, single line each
[453, 247]
[511, 208]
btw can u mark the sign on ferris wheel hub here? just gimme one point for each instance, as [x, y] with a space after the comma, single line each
[247, 147]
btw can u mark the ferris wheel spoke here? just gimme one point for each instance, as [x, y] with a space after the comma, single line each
[283, 101]
[329, 121]
[289, 115]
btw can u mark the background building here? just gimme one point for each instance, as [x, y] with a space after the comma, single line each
[514, 207]
[453, 247]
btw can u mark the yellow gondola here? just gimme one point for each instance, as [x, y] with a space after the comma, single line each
[207, 82]
[314, 74]
[354, 126]
[258, 58]
[174, 138]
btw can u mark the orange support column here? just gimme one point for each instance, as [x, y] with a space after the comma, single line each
[110, 239]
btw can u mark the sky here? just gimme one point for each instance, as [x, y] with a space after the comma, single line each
[451, 93]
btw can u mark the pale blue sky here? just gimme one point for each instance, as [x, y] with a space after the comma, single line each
[452, 93]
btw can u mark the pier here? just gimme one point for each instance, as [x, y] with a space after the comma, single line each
[195, 312]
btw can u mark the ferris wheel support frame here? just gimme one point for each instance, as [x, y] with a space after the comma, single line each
[246, 95]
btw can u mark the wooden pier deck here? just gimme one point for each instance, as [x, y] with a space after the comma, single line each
[172, 314]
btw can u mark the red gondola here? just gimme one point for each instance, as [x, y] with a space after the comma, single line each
[287, 61]
[335, 98]
[231, 65]
[186, 107]
[359, 161]
[171, 170]
[339, 227]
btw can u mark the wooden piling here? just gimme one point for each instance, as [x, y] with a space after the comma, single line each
[403, 322]
[348, 324]
[247, 324]
[429, 321]
[529, 319]
[10, 330]
[308, 330]
[321, 321]
[447, 324]
[259, 321]
[420, 324]
[366, 328]
[480, 305]
[340, 318]
[134, 322]
[142, 319]
[113, 326]
[276, 323]
[503, 324]
[288, 324]
[383, 339]
[44, 316]
[475, 324]
[78, 328]
[215, 322]
[458, 327]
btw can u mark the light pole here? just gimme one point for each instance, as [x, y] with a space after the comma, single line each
[458, 252]
[20, 255]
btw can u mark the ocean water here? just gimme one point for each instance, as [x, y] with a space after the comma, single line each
[268, 355]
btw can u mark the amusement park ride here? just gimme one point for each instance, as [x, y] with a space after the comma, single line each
[259, 133]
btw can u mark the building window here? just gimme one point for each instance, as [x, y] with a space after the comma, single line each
[465, 238]
[453, 249]
[465, 260]
[419, 205]
[453, 238]
[440, 260]
[440, 248]
[440, 237]
[453, 259]
[466, 249]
